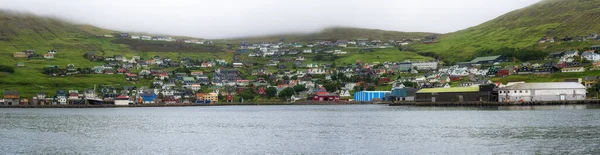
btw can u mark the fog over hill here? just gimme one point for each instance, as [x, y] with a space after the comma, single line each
[238, 18]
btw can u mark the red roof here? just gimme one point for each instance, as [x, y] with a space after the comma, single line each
[122, 97]
[129, 74]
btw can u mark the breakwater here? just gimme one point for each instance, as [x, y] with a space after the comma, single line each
[450, 104]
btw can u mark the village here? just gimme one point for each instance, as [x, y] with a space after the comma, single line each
[290, 74]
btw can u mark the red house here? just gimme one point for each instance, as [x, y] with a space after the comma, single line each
[454, 78]
[503, 73]
[326, 97]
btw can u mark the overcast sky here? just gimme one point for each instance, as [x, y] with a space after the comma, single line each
[217, 19]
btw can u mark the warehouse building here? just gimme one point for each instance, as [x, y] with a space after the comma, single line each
[481, 93]
[367, 96]
[548, 91]
[403, 94]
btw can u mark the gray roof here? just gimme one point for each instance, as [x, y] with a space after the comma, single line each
[545, 85]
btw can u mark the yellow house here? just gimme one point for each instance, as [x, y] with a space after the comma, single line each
[19, 55]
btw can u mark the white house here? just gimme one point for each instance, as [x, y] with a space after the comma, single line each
[122, 100]
[590, 55]
[48, 56]
[238, 65]
[548, 91]
[135, 37]
[339, 52]
[146, 37]
[307, 51]
[426, 65]
[196, 87]
[571, 54]
[573, 69]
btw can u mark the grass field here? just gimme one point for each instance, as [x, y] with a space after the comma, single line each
[379, 55]
[521, 28]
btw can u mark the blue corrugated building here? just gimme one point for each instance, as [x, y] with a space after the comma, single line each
[367, 96]
[148, 97]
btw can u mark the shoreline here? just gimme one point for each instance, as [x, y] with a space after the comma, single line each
[418, 104]
[494, 104]
[183, 105]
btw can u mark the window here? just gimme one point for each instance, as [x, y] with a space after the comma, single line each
[520, 91]
[515, 91]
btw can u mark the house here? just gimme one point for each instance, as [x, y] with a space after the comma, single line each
[238, 65]
[481, 93]
[54, 52]
[195, 87]
[326, 97]
[20, 64]
[557, 55]
[136, 37]
[41, 99]
[548, 91]
[573, 69]
[205, 98]
[131, 77]
[122, 100]
[19, 55]
[11, 98]
[590, 81]
[307, 51]
[591, 56]
[489, 60]
[595, 47]
[48, 56]
[425, 65]
[61, 96]
[570, 54]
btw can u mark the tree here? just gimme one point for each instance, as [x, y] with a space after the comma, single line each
[286, 93]
[221, 97]
[160, 96]
[371, 88]
[247, 95]
[8, 69]
[286, 78]
[409, 84]
[271, 92]
[357, 88]
[334, 77]
[294, 77]
[299, 88]
[331, 87]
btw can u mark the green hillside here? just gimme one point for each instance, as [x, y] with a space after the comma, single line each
[20, 32]
[521, 28]
[338, 33]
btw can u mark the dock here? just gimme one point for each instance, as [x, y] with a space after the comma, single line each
[483, 104]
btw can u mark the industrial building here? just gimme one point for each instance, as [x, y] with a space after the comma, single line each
[548, 91]
[367, 96]
[403, 94]
[481, 93]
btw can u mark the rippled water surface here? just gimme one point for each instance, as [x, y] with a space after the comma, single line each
[339, 129]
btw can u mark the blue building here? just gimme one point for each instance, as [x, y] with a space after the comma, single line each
[148, 97]
[367, 96]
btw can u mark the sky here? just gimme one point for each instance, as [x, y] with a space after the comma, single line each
[220, 19]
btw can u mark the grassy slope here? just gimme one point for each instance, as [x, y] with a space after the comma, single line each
[20, 32]
[338, 33]
[385, 55]
[521, 28]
